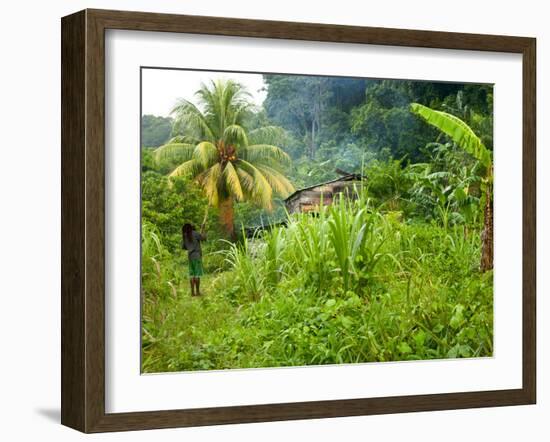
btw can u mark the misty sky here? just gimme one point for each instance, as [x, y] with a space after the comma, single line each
[161, 88]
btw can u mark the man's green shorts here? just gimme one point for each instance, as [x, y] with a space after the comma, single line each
[195, 268]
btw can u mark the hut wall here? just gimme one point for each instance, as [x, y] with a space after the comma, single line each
[309, 200]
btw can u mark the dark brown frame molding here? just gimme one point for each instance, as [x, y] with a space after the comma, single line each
[83, 216]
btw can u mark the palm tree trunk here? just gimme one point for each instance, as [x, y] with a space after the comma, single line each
[487, 234]
[227, 217]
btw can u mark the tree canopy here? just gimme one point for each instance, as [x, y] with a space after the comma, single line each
[155, 131]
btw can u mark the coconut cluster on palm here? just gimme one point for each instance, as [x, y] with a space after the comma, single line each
[228, 161]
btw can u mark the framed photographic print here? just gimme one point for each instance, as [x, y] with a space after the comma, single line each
[270, 220]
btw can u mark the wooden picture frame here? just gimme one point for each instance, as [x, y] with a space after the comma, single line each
[83, 220]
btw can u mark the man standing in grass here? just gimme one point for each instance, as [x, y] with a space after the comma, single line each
[191, 241]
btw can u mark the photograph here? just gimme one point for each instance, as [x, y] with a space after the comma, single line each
[297, 220]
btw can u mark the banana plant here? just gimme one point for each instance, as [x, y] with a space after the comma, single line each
[465, 137]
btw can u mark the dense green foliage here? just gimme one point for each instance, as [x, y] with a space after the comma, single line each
[155, 131]
[392, 275]
[367, 288]
[345, 121]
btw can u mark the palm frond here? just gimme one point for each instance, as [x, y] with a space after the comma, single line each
[265, 154]
[247, 182]
[207, 98]
[189, 168]
[210, 181]
[184, 139]
[191, 117]
[274, 135]
[235, 134]
[205, 153]
[261, 191]
[278, 182]
[240, 112]
[173, 151]
[224, 102]
[232, 181]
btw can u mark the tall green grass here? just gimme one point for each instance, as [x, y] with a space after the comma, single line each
[350, 284]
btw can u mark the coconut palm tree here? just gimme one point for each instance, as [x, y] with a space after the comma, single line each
[465, 137]
[228, 161]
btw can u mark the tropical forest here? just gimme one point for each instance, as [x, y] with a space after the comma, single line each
[341, 220]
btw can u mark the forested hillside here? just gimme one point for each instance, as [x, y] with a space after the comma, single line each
[155, 131]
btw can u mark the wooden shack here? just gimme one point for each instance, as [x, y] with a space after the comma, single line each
[309, 198]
